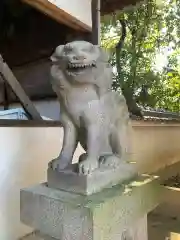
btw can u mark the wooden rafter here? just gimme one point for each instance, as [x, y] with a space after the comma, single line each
[58, 14]
[29, 123]
[111, 6]
[10, 79]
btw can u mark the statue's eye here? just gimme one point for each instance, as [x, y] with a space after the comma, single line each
[68, 49]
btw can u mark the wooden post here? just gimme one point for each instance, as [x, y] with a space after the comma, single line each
[11, 80]
[96, 21]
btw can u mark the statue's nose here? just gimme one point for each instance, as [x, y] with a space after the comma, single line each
[79, 58]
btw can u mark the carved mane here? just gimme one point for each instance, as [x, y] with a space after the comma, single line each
[101, 74]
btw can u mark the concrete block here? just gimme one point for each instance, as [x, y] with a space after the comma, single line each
[104, 215]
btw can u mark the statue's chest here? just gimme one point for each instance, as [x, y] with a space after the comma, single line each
[78, 100]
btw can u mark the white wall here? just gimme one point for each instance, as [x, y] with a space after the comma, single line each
[50, 109]
[24, 156]
[80, 9]
[25, 153]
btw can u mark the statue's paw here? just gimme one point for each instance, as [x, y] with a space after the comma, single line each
[58, 164]
[54, 164]
[110, 161]
[88, 165]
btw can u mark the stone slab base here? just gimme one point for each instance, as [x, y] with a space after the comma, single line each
[104, 215]
[137, 232]
[95, 182]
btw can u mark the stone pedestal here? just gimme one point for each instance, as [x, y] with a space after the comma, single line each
[138, 232]
[112, 214]
[101, 178]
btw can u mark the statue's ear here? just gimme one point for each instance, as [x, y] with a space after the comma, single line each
[59, 50]
[57, 54]
[53, 58]
[104, 53]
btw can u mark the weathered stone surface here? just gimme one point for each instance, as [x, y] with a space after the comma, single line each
[37, 236]
[31, 236]
[92, 183]
[44, 236]
[91, 113]
[137, 232]
[104, 215]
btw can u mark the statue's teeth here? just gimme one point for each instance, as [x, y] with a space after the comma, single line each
[78, 65]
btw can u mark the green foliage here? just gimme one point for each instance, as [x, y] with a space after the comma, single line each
[151, 28]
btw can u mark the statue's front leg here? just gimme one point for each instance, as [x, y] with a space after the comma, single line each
[91, 158]
[64, 160]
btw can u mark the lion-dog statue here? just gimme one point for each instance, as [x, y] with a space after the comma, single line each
[91, 113]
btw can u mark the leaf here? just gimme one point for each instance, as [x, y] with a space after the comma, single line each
[151, 28]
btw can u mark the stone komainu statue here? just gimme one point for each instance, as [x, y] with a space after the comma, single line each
[91, 113]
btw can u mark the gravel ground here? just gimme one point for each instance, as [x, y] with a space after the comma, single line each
[174, 181]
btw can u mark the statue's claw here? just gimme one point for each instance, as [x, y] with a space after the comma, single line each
[88, 165]
[59, 164]
[110, 161]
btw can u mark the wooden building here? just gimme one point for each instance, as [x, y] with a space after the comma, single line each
[30, 30]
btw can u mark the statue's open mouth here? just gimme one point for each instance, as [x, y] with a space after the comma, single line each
[79, 67]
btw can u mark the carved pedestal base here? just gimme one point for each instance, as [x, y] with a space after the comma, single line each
[108, 215]
[95, 182]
